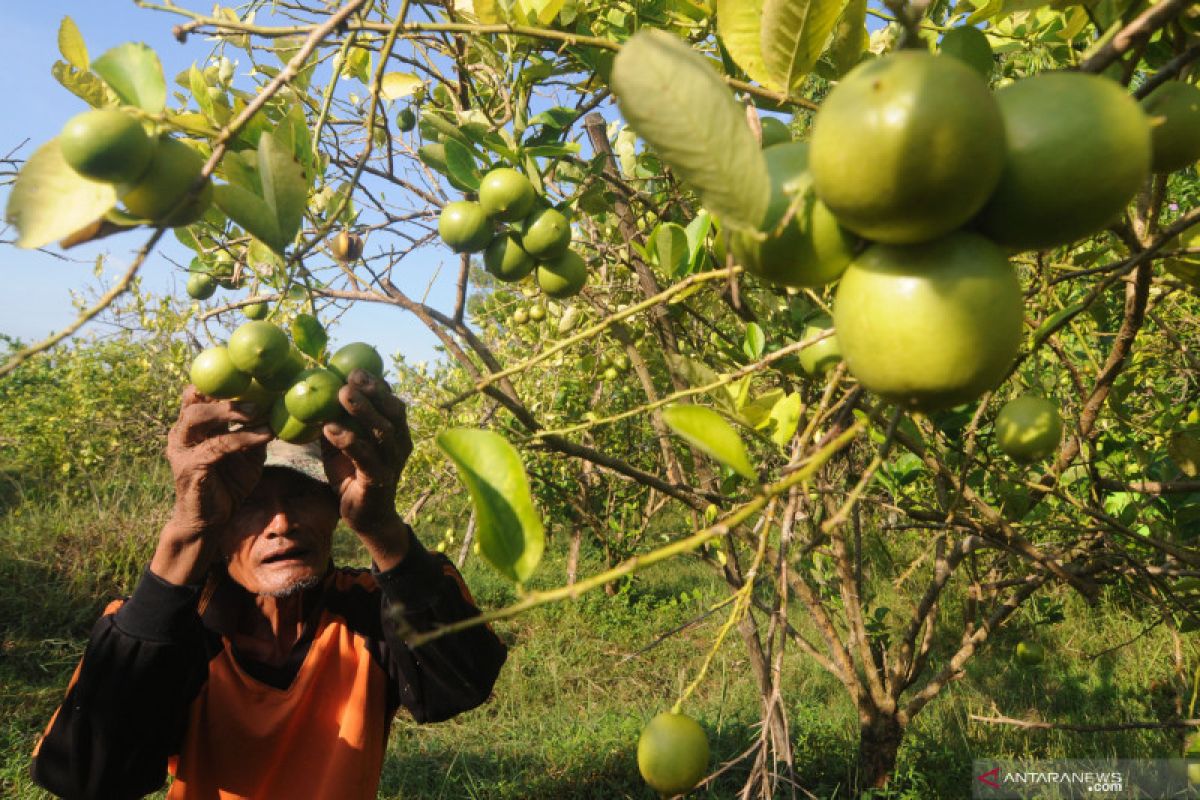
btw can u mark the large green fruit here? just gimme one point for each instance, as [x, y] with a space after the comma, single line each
[313, 398]
[164, 184]
[465, 227]
[907, 147]
[1028, 428]
[106, 144]
[215, 374]
[1078, 151]
[506, 259]
[563, 276]
[506, 195]
[969, 45]
[290, 429]
[774, 131]
[285, 372]
[259, 348]
[356, 355]
[817, 359]
[672, 753]
[545, 234]
[1174, 113]
[812, 249]
[929, 326]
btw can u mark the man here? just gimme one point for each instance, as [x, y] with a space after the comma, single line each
[245, 663]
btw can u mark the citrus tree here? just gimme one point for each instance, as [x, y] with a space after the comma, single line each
[879, 309]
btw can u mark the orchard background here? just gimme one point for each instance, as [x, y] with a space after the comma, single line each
[834, 588]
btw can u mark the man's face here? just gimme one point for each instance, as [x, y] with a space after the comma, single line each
[279, 540]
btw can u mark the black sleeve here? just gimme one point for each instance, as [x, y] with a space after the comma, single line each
[452, 673]
[125, 710]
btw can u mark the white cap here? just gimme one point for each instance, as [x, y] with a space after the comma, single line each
[303, 458]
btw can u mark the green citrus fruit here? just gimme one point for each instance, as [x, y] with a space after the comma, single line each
[819, 358]
[262, 397]
[356, 355]
[1186, 266]
[106, 144]
[620, 362]
[546, 234]
[313, 397]
[672, 753]
[255, 310]
[537, 313]
[281, 379]
[520, 316]
[774, 131]
[346, 247]
[969, 45]
[1030, 653]
[611, 374]
[812, 249]
[907, 147]
[563, 276]
[201, 286]
[406, 120]
[290, 429]
[506, 195]
[1028, 428]
[1078, 151]
[164, 184]
[309, 334]
[215, 375]
[506, 259]
[1174, 113]
[258, 348]
[464, 226]
[929, 326]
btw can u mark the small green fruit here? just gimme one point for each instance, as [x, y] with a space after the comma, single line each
[1174, 113]
[506, 195]
[313, 398]
[611, 374]
[214, 374]
[520, 316]
[106, 144]
[465, 227]
[406, 120]
[1030, 654]
[356, 355]
[255, 310]
[290, 429]
[505, 259]
[546, 234]
[1028, 428]
[563, 276]
[774, 131]
[285, 373]
[969, 45]
[537, 313]
[672, 753]
[201, 286]
[817, 359]
[258, 348]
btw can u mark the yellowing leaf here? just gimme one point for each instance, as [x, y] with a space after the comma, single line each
[738, 25]
[50, 200]
[708, 432]
[786, 416]
[508, 528]
[399, 84]
[672, 97]
[135, 74]
[850, 37]
[794, 33]
[71, 45]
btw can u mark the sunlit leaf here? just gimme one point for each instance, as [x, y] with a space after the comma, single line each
[739, 26]
[850, 37]
[672, 97]
[708, 432]
[508, 528]
[251, 212]
[794, 33]
[135, 74]
[49, 200]
[284, 187]
[399, 84]
[71, 44]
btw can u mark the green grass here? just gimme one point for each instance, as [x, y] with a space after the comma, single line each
[580, 681]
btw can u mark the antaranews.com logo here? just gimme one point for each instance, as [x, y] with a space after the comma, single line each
[1082, 778]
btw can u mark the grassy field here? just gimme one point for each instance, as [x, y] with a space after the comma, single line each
[583, 677]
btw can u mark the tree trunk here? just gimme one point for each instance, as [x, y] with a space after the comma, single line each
[879, 741]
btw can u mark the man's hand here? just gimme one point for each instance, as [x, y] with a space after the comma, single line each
[215, 469]
[364, 460]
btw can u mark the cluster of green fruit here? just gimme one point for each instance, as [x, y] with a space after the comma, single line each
[917, 184]
[536, 238]
[259, 365]
[153, 175]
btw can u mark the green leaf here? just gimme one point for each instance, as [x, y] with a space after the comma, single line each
[135, 74]
[83, 85]
[460, 167]
[708, 432]
[670, 247]
[284, 186]
[71, 45]
[251, 212]
[1184, 449]
[850, 37]
[794, 33]
[199, 88]
[400, 84]
[755, 341]
[50, 200]
[738, 25]
[486, 11]
[674, 99]
[508, 527]
[309, 335]
[541, 12]
[757, 412]
[786, 416]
